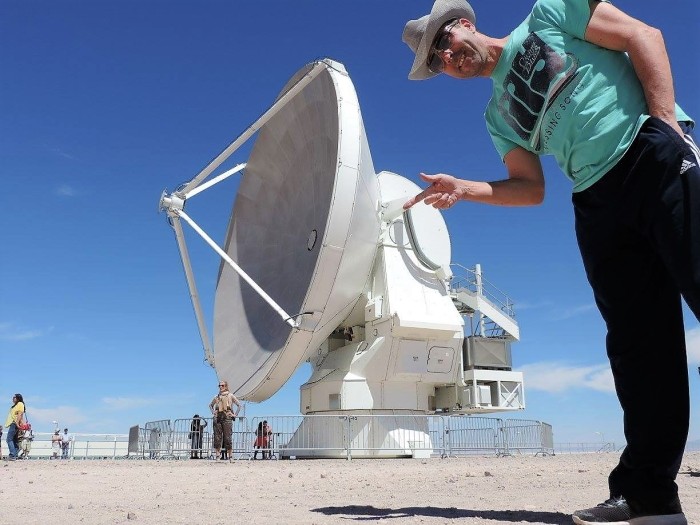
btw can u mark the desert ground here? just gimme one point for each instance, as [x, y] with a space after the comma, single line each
[483, 490]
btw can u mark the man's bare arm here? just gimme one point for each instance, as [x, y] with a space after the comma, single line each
[523, 187]
[613, 29]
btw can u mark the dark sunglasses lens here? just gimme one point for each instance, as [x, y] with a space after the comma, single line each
[443, 43]
[435, 63]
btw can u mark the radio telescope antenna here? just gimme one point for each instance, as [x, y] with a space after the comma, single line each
[321, 264]
[174, 204]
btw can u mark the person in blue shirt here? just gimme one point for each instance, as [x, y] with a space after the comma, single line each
[592, 86]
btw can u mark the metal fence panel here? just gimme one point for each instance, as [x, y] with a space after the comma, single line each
[134, 440]
[391, 435]
[319, 435]
[585, 448]
[83, 446]
[158, 436]
[523, 435]
[547, 439]
[467, 435]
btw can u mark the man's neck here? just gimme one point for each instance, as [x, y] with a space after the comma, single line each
[495, 50]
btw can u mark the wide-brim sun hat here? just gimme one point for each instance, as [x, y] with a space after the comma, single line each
[419, 34]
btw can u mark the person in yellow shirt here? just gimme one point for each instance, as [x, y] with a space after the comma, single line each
[14, 418]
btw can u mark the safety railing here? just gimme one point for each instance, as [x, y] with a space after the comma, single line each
[585, 447]
[158, 435]
[360, 435]
[194, 438]
[449, 436]
[81, 446]
[392, 435]
[473, 280]
[466, 435]
[290, 436]
[522, 435]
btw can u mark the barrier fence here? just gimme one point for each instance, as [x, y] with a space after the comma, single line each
[397, 435]
[590, 448]
[473, 435]
[81, 446]
[324, 436]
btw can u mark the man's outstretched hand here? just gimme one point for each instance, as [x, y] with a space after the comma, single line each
[443, 192]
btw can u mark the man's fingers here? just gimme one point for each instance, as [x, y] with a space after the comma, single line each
[410, 202]
[439, 201]
[431, 199]
[413, 200]
[426, 193]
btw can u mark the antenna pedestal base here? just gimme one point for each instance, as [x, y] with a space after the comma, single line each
[363, 434]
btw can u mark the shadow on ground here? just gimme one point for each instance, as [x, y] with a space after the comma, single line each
[368, 512]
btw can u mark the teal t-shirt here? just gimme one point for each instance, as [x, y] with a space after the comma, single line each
[556, 94]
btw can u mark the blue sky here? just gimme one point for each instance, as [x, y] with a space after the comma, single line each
[106, 103]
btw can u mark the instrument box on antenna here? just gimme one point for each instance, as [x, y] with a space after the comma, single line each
[449, 397]
[488, 352]
[483, 396]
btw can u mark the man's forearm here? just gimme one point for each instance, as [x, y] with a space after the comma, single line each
[647, 52]
[507, 192]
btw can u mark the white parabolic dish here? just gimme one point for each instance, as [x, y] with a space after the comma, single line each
[305, 227]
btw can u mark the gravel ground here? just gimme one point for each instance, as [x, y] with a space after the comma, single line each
[485, 490]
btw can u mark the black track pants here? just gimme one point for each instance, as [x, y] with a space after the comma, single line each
[638, 230]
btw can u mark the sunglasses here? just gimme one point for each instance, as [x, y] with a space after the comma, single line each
[221, 385]
[442, 42]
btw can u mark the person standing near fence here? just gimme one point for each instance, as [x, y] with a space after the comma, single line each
[56, 442]
[585, 82]
[66, 440]
[222, 409]
[262, 440]
[197, 436]
[26, 444]
[14, 419]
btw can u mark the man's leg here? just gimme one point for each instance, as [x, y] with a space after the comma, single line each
[646, 348]
[624, 225]
[11, 432]
[676, 225]
[228, 434]
[218, 437]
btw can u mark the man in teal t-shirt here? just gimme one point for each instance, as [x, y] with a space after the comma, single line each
[591, 86]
